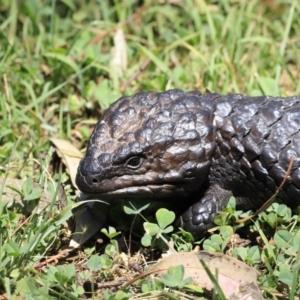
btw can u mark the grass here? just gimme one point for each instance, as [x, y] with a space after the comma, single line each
[60, 68]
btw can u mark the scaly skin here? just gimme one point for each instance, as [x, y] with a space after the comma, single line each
[195, 150]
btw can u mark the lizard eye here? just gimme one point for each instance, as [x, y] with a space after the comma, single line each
[134, 162]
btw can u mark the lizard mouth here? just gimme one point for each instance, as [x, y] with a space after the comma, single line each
[139, 191]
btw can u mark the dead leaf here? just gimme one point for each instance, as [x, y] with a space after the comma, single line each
[62, 198]
[88, 221]
[11, 197]
[5, 296]
[236, 279]
[119, 53]
[70, 156]
[89, 217]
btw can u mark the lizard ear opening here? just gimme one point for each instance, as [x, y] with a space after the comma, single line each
[134, 162]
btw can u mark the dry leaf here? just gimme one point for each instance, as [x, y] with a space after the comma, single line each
[5, 296]
[236, 279]
[119, 53]
[89, 218]
[70, 156]
[10, 197]
[88, 221]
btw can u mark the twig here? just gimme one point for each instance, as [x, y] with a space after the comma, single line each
[132, 18]
[135, 75]
[89, 286]
[62, 254]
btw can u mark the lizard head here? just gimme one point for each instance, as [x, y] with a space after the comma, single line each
[150, 145]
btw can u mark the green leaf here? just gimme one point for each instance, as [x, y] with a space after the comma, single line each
[65, 273]
[177, 272]
[174, 277]
[26, 286]
[226, 232]
[94, 263]
[27, 186]
[231, 205]
[152, 285]
[120, 295]
[254, 254]
[111, 233]
[273, 207]
[268, 86]
[286, 276]
[221, 218]
[284, 211]
[160, 64]
[15, 273]
[296, 238]
[169, 280]
[64, 59]
[151, 228]
[146, 240]
[103, 92]
[241, 252]
[12, 248]
[111, 250]
[106, 262]
[282, 239]
[129, 211]
[195, 288]
[164, 217]
[271, 219]
[136, 207]
[184, 282]
[213, 243]
[168, 229]
[35, 194]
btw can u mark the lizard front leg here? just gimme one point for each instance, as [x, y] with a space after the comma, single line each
[199, 217]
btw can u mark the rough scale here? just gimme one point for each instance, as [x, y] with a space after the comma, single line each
[195, 149]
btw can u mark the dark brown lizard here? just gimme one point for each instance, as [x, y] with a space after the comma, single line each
[195, 149]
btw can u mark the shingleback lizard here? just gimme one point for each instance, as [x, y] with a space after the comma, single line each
[195, 149]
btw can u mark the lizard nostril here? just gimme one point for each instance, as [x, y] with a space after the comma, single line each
[95, 180]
